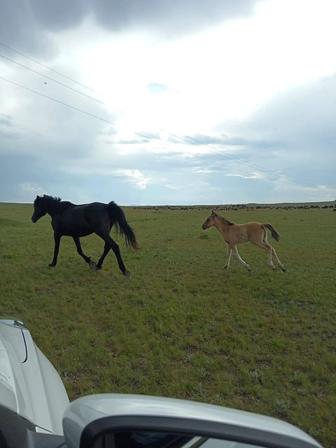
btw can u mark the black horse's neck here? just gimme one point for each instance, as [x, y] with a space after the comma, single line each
[54, 206]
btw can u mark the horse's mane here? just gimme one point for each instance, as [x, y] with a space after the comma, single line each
[229, 223]
[51, 198]
[53, 203]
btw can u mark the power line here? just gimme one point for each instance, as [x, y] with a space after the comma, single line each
[55, 99]
[45, 66]
[51, 79]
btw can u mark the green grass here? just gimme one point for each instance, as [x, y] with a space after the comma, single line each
[181, 325]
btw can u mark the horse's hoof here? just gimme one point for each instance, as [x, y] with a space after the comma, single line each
[283, 269]
[226, 267]
[52, 265]
[126, 273]
[92, 265]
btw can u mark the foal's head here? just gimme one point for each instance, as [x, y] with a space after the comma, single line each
[210, 221]
[42, 205]
[214, 219]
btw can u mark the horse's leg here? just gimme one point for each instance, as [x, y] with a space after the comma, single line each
[116, 250]
[240, 259]
[110, 244]
[87, 259]
[107, 248]
[229, 258]
[57, 238]
[103, 233]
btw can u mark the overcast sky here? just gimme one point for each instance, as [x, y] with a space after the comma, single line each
[186, 101]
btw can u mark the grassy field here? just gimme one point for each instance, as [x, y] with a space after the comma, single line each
[181, 325]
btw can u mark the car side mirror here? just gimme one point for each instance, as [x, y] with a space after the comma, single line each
[136, 421]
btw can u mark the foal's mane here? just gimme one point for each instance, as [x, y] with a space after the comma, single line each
[226, 221]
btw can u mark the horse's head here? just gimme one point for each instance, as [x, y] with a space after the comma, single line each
[210, 221]
[39, 208]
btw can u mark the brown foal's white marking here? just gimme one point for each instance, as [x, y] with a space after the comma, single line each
[234, 234]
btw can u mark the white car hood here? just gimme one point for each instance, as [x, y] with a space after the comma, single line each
[29, 384]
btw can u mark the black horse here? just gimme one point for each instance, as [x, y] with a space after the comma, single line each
[68, 219]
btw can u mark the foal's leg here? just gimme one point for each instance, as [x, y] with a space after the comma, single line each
[282, 267]
[240, 259]
[57, 238]
[260, 240]
[271, 251]
[229, 258]
[87, 259]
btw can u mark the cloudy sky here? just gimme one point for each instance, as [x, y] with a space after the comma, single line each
[168, 101]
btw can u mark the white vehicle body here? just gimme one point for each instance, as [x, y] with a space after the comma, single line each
[29, 383]
[35, 411]
[123, 411]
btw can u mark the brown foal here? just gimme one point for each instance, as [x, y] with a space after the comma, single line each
[234, 234]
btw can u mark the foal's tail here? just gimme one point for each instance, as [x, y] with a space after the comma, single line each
[118, 218]
[274, 233]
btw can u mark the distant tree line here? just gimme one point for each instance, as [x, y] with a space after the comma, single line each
[246, 207]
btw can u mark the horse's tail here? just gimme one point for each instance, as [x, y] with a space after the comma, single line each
[274, 233]
[118, 218]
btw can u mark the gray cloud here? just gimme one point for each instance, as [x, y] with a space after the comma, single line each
[7, 128]
[168, 15]
[23, 24]
[19, 28]
[149, 135]
[302, 120]
[20, 170]
[304, 116]
[141, 138]
[222, 140]
[284, 152]
[6, 120]
[5, 134]
[291, 140]
[287, 146]
[59, 15]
